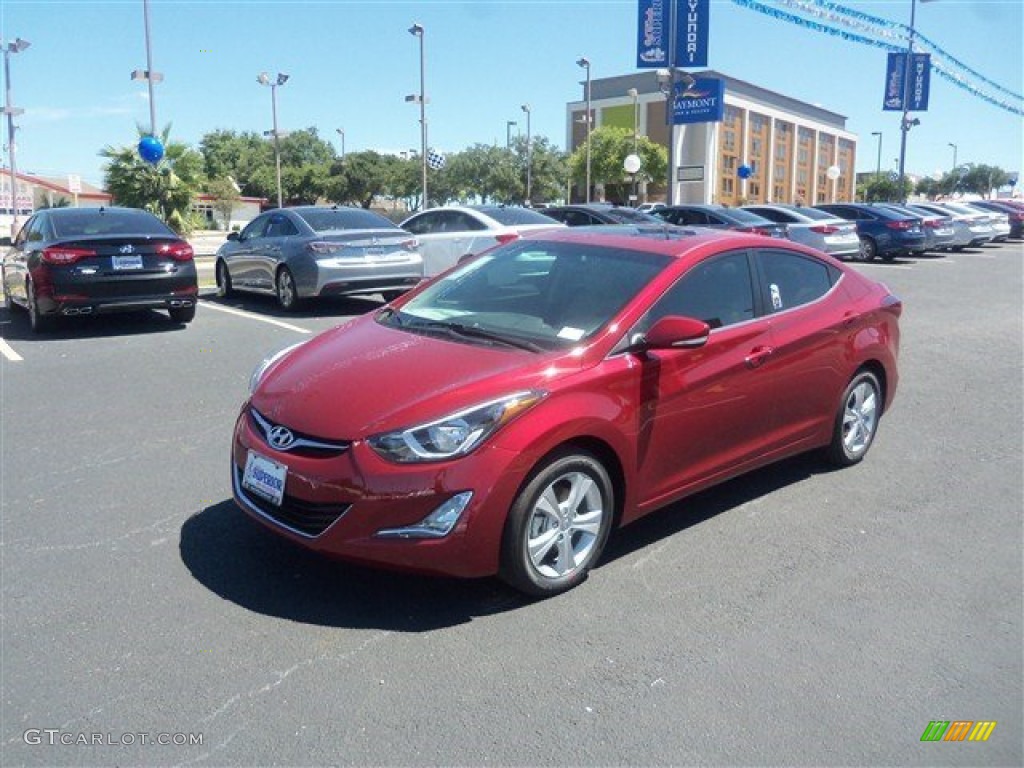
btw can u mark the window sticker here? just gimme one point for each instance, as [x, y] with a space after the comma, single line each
[572, 334]
[776, 297]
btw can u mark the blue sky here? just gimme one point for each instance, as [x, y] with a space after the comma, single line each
[353, 62]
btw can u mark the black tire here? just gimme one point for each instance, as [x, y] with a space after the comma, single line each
[38, 322]
[223, 277]
[856, 421]
[868, 249]
[287, 293]
[566, 542]
[182, 314]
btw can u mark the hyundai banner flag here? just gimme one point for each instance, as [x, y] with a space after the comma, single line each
[655, 45]
[919, 82]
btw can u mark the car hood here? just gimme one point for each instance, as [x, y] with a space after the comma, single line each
[364, 378]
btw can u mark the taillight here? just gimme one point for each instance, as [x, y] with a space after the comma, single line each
[506, 238]
[177, 251]
[56, 254]
[409, 245]
[324, 249]
[901, 224]
[824, 229]
[934, 223]
[756, 231]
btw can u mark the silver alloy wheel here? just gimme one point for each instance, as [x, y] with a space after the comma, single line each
[860, 418]
[286, 294]
[565, 524]
[867, 249]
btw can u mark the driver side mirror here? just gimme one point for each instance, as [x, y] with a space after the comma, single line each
[233, 236]
[674, 332]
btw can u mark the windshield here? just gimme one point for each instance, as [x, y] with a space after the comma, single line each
[334, 219]
[544, 294]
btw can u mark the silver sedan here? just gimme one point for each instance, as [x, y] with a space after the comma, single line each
[818, 229]
[314, 251]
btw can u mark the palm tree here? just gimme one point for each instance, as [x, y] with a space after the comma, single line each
[166, 189]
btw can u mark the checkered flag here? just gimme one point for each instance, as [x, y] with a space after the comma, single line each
[435, 160]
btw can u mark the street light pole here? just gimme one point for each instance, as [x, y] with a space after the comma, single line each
[906, 123]
[585, 63]
[635, 94]
[416, 30]
[529, 156]
[341, 132]
[264, 79]
[954, 155]
[878, 167]
[508, 133]
[15, 46]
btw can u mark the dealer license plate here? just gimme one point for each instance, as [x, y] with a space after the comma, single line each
[265, 478]
[128, 262]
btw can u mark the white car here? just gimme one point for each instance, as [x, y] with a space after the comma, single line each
[449, 234]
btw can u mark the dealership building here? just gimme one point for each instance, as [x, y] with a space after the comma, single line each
[767, 147]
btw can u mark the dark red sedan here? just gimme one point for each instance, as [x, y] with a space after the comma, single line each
[506, 416]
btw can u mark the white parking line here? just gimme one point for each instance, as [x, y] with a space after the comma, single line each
[253, 316]
[10, 354]
[883, 266]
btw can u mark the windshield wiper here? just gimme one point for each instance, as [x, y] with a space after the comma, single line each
[473, 332]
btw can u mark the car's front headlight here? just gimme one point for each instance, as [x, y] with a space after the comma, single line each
[454, 435]
[268, 361]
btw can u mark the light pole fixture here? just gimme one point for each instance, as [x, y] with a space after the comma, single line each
[508, 133]
[635, 95]
[341, 132]
[585, 63]
[529, 156]
[148, 74]
[416, 30]
[264, 79]
[954, 155]
[15, 46]
[906, 123]
[878, 166]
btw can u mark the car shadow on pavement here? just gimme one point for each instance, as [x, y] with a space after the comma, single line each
[348, 306]
[238, 560]
[16, 327]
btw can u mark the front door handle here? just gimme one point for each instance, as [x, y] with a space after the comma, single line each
[758, 356]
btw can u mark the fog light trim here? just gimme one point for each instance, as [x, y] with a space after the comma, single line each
[436, 525]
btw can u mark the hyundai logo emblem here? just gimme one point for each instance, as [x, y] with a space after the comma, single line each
[280, 438]
[126, 248]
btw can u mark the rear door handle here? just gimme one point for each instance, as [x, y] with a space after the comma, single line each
[758, 356]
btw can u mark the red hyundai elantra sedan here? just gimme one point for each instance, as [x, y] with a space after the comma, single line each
[506, 416]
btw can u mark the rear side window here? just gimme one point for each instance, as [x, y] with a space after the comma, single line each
[512, 215]
[790, 279]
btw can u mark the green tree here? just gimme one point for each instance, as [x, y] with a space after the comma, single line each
[981, 179]
[359, 178]
[884, 189]
[167, 189]
[609, 147]
[225, 195]
[549, 170]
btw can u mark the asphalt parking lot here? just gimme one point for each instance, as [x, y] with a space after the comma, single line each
[797, 616]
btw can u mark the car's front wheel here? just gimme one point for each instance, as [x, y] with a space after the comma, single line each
[224, 289]
[558, 525]
[857, 420]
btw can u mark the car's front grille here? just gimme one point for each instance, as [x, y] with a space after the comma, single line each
[303, 517]
[301, 444]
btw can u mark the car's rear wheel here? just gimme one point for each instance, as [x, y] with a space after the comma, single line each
[182, 314]
[558, 525]
[37, 321]
[868, 249]
[224, 289]
[287, 294]
[857, 420]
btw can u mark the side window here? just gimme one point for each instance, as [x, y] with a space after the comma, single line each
[697, 218]
[791, 279]
[718, 291]
[461, 222]
[23, 233]
[280, 226]
[423, 225]
[772, 214]
[254, 229]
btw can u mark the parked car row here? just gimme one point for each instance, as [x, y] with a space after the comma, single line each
[81, 261]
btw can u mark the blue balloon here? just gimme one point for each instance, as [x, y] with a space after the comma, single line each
[744, 171]
[151, 150]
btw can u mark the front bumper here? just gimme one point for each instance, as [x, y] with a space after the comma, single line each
[337, 502]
